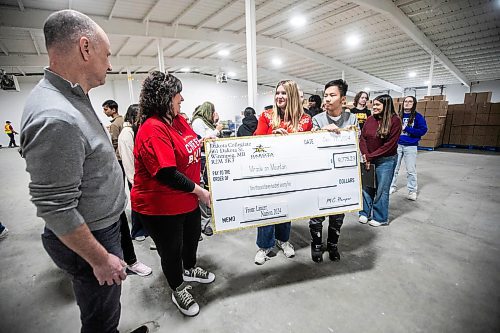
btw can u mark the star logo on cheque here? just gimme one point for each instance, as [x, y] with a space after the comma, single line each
[260, 149]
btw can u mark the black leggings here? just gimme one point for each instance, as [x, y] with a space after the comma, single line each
[176, 238]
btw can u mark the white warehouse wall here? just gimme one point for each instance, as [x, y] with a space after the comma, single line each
[230, 99]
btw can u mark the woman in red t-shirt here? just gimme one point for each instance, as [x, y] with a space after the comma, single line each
[286, 116]
[166, 187]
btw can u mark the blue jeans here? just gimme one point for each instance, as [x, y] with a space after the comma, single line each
[409, 154]
[376, 201]
[99, 305]
[266, 236]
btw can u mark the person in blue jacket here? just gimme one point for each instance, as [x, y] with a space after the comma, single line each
[414, 127]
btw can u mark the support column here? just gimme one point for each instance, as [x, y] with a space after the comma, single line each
[251, 52]
[431, 72]
[130, 86]
[161, 59]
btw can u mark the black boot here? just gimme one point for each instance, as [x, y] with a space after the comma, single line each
[316, 243]
[333, 251]
[331, 244]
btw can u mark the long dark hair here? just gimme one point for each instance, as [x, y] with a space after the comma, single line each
[131, 117]
[413, 110]
[158, 90]
[384, 128]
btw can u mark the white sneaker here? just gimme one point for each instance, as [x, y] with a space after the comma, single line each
[412, 196]
[392, 190]
[261, 256]
[287, 248]
[140, 269]
[152, 246]
[4, 233]
[374, 223]
[362, 219]
[140, 238]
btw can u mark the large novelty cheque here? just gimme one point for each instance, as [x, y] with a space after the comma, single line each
[261, 180]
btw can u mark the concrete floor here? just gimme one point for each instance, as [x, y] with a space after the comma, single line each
[436, 268]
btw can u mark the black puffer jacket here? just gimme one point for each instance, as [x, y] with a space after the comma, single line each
[248, 127]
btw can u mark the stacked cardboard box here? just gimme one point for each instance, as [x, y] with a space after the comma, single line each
[435, 111]
[474, 123]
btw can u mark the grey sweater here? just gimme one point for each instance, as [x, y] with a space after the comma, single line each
[75, 176]
[346, 119]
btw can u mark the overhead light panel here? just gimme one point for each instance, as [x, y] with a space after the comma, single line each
[412, 74]
[185, 69]
[231, 74]
[223, 53]
[277, 62]
[298, 21]
[353, 40]
[367, 89]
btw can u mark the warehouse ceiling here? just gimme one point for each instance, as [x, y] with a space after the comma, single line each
[378, 44]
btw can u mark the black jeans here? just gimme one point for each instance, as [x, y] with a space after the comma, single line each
[99, 305]
[176, 238]
[126, 241]
[12, 142]
[334, 224]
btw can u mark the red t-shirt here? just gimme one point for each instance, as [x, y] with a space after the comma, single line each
[265, 127]
[160, 145]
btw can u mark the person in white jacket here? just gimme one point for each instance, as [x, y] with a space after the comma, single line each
[205, 125]
[126, 150]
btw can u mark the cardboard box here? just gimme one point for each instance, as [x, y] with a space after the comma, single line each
[432, 136]
[489, 140]
[483, 97]
[483, 108]
[467, 130]
[490, 130]
[466, 140]
[495, 108]
[428, 143]
[455, 139]
[458, 107]
[456, 131]
[436, 104]
[458, 119]
[435, 98]
[469, 119]
[470, 108]
[494, 119]
[482, 119]
[469, 98]
[435, 122]
[421, 106]
[436, 112]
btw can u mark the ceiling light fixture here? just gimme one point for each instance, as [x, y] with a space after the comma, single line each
[298, 21]
[231, 74]
[353, 41]
[367, 89]
[185, 69]
[412, 74]
[277, 62]
[426, 83]
[223, 53]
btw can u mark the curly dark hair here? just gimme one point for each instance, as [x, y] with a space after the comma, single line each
[158, 90]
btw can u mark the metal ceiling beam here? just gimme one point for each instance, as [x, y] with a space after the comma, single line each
[272, 16]
[186, 11]
[33, 19]
[389, 9]
[183, 50]
[21, 5]
[238, 18]
[218, 12]
[146, 46]
[150, 11]
[151, 61]
[37, 48]
[113, 9]
[123, 45]
[4, 48]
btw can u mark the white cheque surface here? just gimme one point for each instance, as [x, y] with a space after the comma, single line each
[262, 180]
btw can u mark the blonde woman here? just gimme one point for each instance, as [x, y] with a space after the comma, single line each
[286, 116]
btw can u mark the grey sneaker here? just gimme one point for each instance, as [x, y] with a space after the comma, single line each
[185, 301]
[261, 256]
[198, 274]
[412, 196]
[287, 248]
